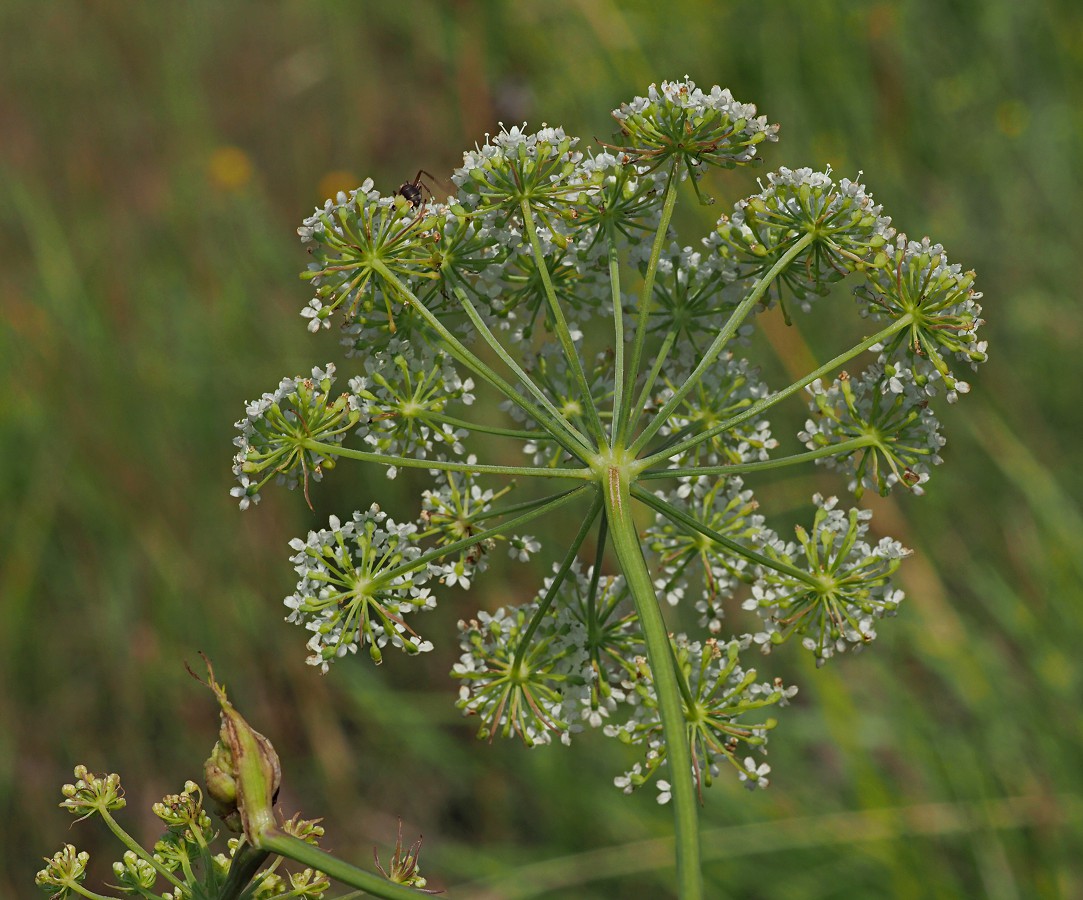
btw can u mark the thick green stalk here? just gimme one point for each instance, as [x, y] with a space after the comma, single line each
[618, 507]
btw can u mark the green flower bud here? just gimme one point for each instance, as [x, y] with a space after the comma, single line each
[66, 869]
[248, 758]
[222, 786]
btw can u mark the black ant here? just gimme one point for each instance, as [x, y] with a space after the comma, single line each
[414, 191]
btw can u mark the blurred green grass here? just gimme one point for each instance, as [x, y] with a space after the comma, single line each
[155, 160]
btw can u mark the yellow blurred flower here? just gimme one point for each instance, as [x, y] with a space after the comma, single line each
[335, 181]
[229, 168]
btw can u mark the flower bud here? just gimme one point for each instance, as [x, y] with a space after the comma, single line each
[222, 786]
[243, 771]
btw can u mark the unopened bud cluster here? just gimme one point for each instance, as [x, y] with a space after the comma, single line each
[183, 863]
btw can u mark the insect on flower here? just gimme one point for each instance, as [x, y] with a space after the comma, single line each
[412, 191]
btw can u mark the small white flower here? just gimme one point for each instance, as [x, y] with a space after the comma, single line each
[754, 776]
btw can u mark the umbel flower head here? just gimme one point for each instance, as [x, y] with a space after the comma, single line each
[722, 697]
[688, 128]
[360, 243]
[91, 794]
[831, 585]
[275, 435]
[897, 434]
[849, 228]
[63, 872]
[516, 166]
[357, 584]
[917, 285]
[546, 328]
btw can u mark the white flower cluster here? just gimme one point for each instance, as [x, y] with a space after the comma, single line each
[721, 696]
[345, 236]
[725, 390]
[505, 284]
[453, 513]
[357, 583]
[891, 411]
[831, 585]
[596, 636]
[616, 192]
[697, 569]
[521, 304]
[545, 168]
[918, 280]
[516, 163]
[523, 699]
[404, 395]
[850, 230]
[275, 427]
[719, 129]
[586, 666]
[694, 295]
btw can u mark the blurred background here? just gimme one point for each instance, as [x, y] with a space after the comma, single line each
[155, 160]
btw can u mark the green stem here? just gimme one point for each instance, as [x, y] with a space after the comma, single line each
[294, 848]
[554, 422]
[719, 343]
[646, 297]
[629, 552]
[411, 462]
[767, 402]
[521, 434]
[618, 325]
[838, 449]
[245, 864]
[134, 846]
[561, 324]
[558, 579]
[548, 506]
[461, 353]
[673, 513]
